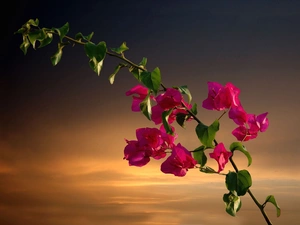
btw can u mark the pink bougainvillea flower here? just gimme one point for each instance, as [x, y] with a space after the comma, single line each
[221, 155]
[244, 134]
[251, 128]
[220, 98]
[141, 93]
[167, 143]
[238, 115]
[156, 115]
[151, 142]
[261, 122]
[149, 137]
[233, 92]
[213, 98]
[168, 138]
[159, 153]
[152, 138]
[136, 154]
[157, 111]
[181, 110]
[252, 123]
[179, 161]
[169, 99]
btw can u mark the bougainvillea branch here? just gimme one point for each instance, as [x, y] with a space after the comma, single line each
[166, 106]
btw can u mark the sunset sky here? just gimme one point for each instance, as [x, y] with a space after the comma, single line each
[62, 128]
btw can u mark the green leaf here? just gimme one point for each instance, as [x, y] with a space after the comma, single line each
[120, 49]
[231, 181]
[96, 66]
[145, 106]
[33, 22]
[244, 182]
[96, 53]
[165, 116]
[194, 109]
[143, 63]
[136, 72]
[151, 79]
[207, 134]
[238, 146]
[25, 45]
[47, 40]
[200, 156]
[80, 36]
[181, 118]
[22, 30]
[35, 35]
[55, 59]
[202, 133]
[232, 203]
[272, 200]
[26, 27]
[62, 31]
[207, 169]
[239, 182]
[112, 76]
[156, 79]
[184, 90]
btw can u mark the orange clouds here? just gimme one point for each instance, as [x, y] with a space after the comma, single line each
[77, 175]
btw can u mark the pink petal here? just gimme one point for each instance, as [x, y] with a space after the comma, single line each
[135, 107]
[221, 155]
[170, 99]
[149, 137]
[208, 104]
[136, 155]
[138, 89]
[243, 134]
[238, 115]
[156, 116]
[234, 94]
[263, 121]
[178, 162]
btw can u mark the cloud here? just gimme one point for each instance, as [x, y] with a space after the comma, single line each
[43, 185]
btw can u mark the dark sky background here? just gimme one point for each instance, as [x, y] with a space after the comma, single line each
[62, 128]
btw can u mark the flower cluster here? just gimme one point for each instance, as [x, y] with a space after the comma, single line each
[179, 161]
[170, 99]
[227, 97]
[153, 142]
